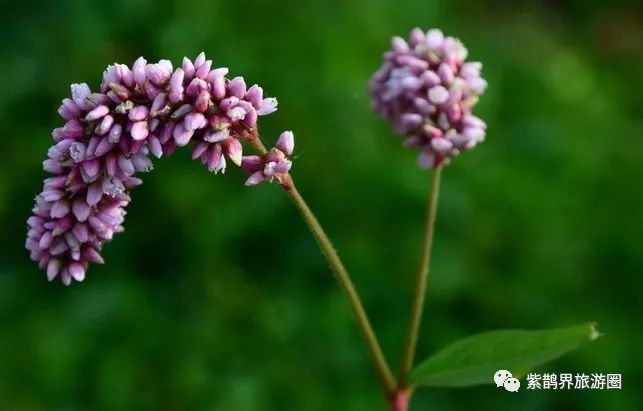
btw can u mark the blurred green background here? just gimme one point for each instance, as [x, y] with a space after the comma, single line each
[216, 298]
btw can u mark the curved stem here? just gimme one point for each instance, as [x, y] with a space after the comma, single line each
[339, 271]
[421, 280]
[379, 362]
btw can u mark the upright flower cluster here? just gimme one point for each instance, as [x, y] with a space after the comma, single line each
[427, 90]
[108, 136]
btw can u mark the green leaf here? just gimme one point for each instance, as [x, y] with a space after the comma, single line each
[474, 360]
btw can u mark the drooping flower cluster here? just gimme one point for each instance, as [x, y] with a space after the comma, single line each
[109, 135]
[427, 90]
[274, 165]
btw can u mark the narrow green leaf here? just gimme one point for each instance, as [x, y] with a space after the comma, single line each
[474, 360]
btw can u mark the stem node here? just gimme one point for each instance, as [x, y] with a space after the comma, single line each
[399, 400]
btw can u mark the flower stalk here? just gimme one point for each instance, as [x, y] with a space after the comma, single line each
[377, 357]
[419, 293]
[378, 360]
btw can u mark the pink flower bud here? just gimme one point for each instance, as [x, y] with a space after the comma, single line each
[181, 135]
[79, 93]
[138, 113]
[105, 125]
[254, 95]
[286, 142]
[194, 121]
[73, 129]
[159, 73]
[268, 105]
[139, 130]
[176, 86]
[188, 67]
[237, 87]
[138, 71]
[202, 101]
[438, 95]
[232, 148]
[97, 113]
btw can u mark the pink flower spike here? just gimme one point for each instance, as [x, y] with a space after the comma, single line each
[426, 92]
[110, 135]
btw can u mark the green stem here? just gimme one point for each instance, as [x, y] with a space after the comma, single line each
[375, 352]
[421, 280]
[379, 362]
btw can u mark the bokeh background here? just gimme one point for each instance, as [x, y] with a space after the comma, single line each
[216, 298]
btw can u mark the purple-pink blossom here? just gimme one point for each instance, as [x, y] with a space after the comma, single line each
[109, 135]
[426, 89]
[274, 165]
